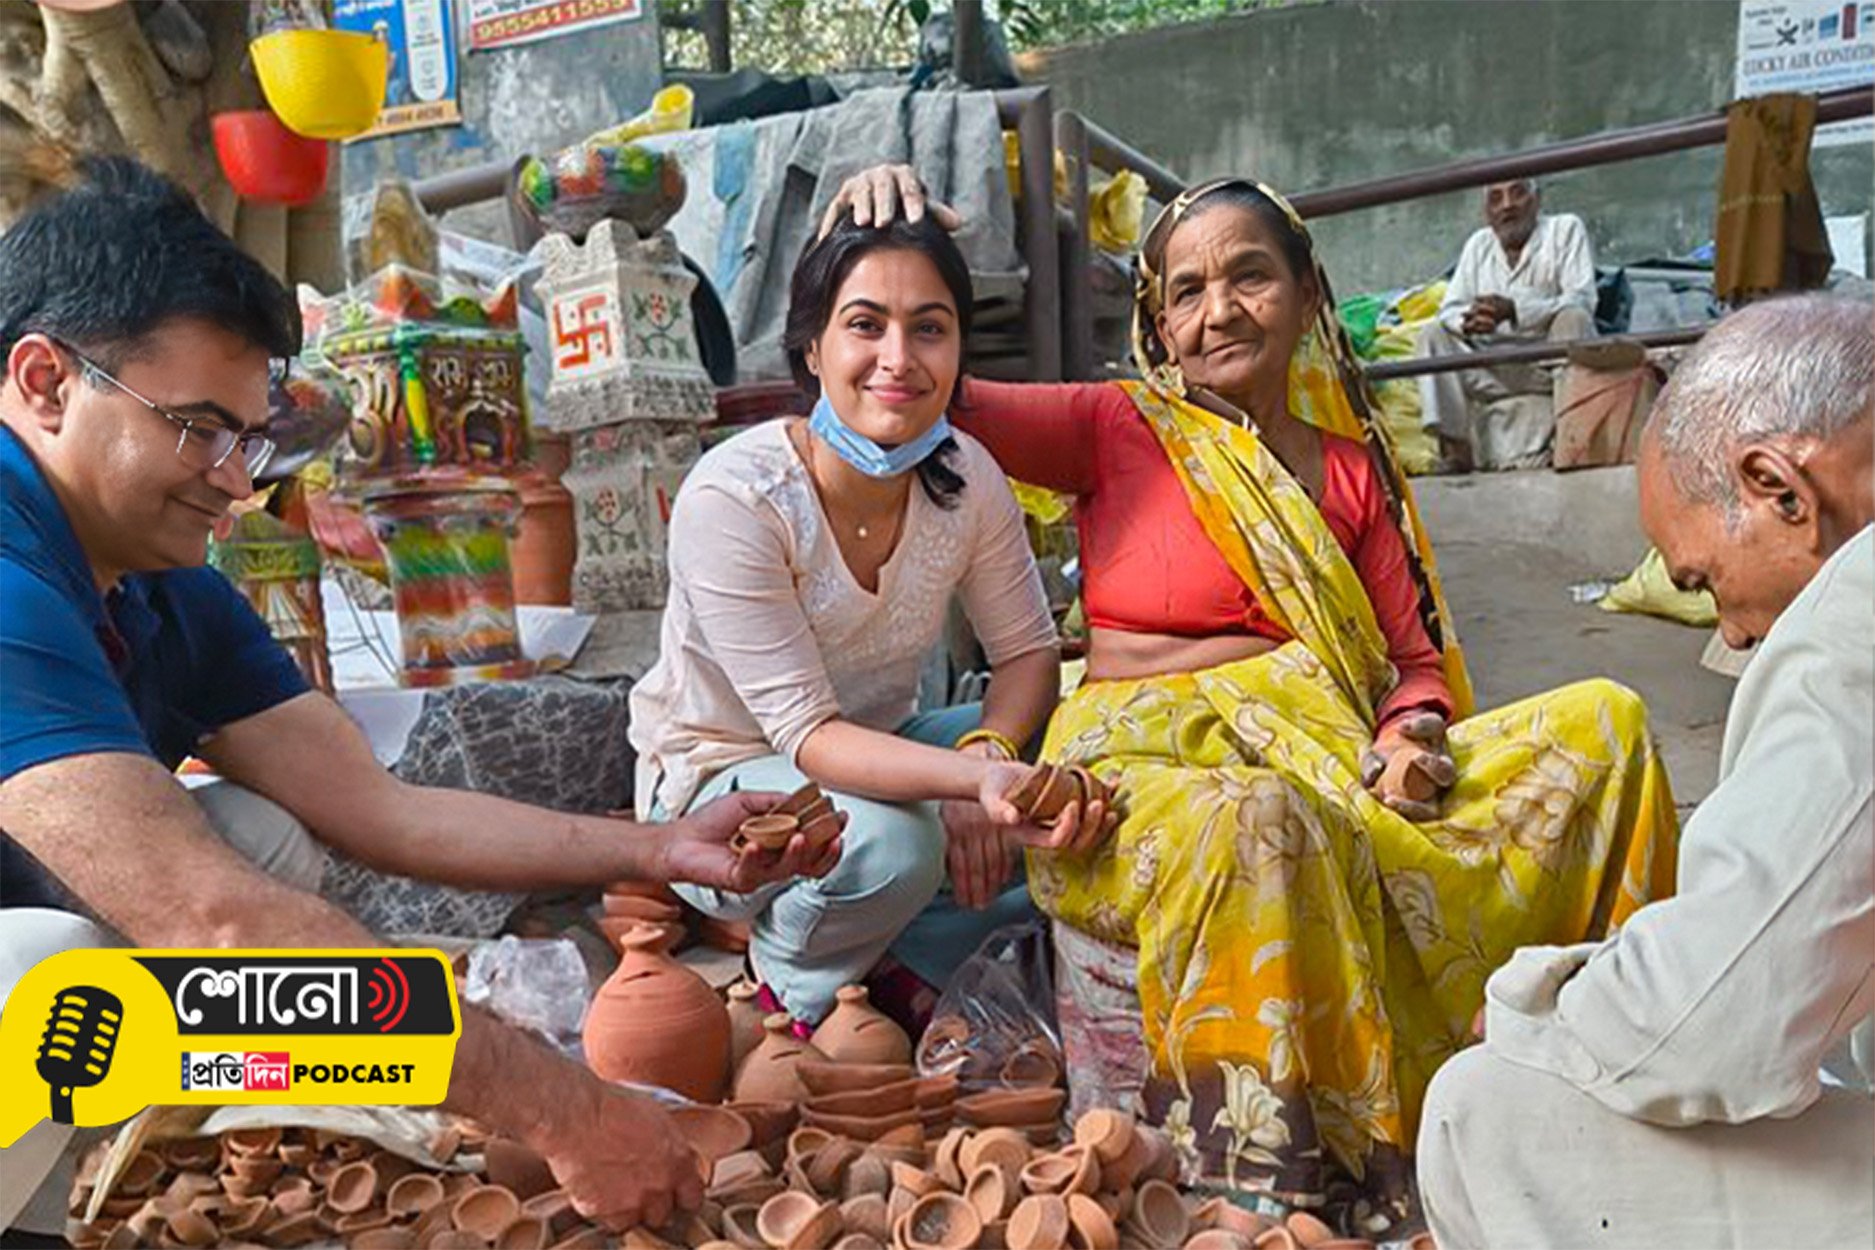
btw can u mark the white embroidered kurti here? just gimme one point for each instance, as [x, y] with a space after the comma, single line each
[767, 635]
[1556, 269]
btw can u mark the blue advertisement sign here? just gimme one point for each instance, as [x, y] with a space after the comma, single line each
[424, 82]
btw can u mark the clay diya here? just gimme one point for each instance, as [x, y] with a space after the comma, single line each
[855, 1241]
[1108, 1133]
[485, 1211]
[658, 1023]
[989, 1191]
[826, 1169]
[252, 1141]
[880, 1100]
[1093, 1227]
[1344, 1243]
[1039, 1222]
[863, 1127]
[1016, 1108]
[796, 1220]
[1006, 1148]
[769, 1122]
[770, 1074]
[868, 1174]
[822, 1077]
[902, 1145]
[1406, 775]
[387, 1238]
[740, 1226]
[1071, 1171]
[1033, 1064]
[191, 1228]
[866, 1215]
[526, 1233]
[516, 1167]
[1159, 1215]
[352, 1188]
[1278, 1238]
[413, 1194]
[942, 1221]
[1308, 1230]
[768, 833]
[854, 1032]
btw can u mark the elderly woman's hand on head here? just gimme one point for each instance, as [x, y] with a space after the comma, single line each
[880, 195]
[1409, 767]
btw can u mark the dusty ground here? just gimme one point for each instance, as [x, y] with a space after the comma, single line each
[1510, 546]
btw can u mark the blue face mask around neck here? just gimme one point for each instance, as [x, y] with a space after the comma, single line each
[867, 456]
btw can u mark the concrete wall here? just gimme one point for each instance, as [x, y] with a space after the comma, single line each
[534, 98]
[1319, 95]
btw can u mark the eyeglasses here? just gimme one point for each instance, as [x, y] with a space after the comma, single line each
[205, 442]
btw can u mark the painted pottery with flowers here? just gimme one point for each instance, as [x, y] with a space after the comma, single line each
[656, 1022]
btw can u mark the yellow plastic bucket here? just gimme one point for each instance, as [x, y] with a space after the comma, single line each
[324, 84]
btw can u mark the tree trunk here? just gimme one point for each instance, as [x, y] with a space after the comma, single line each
[143, 80]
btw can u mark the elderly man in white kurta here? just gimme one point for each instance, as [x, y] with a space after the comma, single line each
[1525, 276]
[1701, 1078]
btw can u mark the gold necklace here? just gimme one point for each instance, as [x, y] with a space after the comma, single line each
[860, 529]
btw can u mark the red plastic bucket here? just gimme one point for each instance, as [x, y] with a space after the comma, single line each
[266, 162]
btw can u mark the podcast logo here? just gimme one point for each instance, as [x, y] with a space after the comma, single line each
[109, 1032]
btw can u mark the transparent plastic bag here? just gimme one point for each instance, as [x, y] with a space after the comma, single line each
[541, 986]
[994, 1027]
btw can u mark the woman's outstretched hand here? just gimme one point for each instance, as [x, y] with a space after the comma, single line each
[882, 194]
[1412, 785]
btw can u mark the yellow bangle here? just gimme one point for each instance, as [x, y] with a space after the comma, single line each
[1001, 742]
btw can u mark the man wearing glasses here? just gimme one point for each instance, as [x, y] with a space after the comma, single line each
[137, 342]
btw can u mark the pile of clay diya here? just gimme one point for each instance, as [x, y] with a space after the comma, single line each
[807, 811]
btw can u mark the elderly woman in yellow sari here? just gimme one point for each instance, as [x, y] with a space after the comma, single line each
[1268, 634]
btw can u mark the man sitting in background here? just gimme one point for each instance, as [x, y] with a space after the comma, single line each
[1525, 277]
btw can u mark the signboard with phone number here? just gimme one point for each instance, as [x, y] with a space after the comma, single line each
[504, 23]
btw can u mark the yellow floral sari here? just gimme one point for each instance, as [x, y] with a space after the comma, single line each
[1307, 956]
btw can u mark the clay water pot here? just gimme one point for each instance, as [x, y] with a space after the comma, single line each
[1308, 1230]
[769, 1073]
[413, 1194]
[745, 1022]
[1016, 1108]
[797, 1221]
[516, 1167]
[658, 1023]
[485, 1211]
[1039, 1222]
[942, 1222]
[618, 928]
[855, 1032]
[822, 1076]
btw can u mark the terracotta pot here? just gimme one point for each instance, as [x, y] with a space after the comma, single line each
[713, 1132]
[658, 1023]
[857, 1033]
[769, 1073]
[618, 928]
[943, 1222]
[881, 1100]
[1014, 1107]
[548, 544]
[745, 1022]
[485, 1211]
[822, 1076]
[1039, 1223]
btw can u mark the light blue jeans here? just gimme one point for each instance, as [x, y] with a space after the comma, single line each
[888, 892]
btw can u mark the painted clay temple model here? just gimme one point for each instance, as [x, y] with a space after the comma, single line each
[438, 441]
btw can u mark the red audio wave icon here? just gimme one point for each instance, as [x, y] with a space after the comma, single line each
[390, 995]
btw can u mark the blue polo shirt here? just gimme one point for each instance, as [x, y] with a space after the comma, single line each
[154, 669]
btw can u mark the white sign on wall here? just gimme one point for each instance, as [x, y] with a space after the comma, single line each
[1809, 46]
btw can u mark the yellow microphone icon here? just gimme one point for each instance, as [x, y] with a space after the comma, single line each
[75, 1052]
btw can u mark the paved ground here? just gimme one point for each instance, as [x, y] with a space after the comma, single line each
[1510, 546]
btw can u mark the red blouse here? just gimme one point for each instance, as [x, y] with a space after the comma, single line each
[1147, 566]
